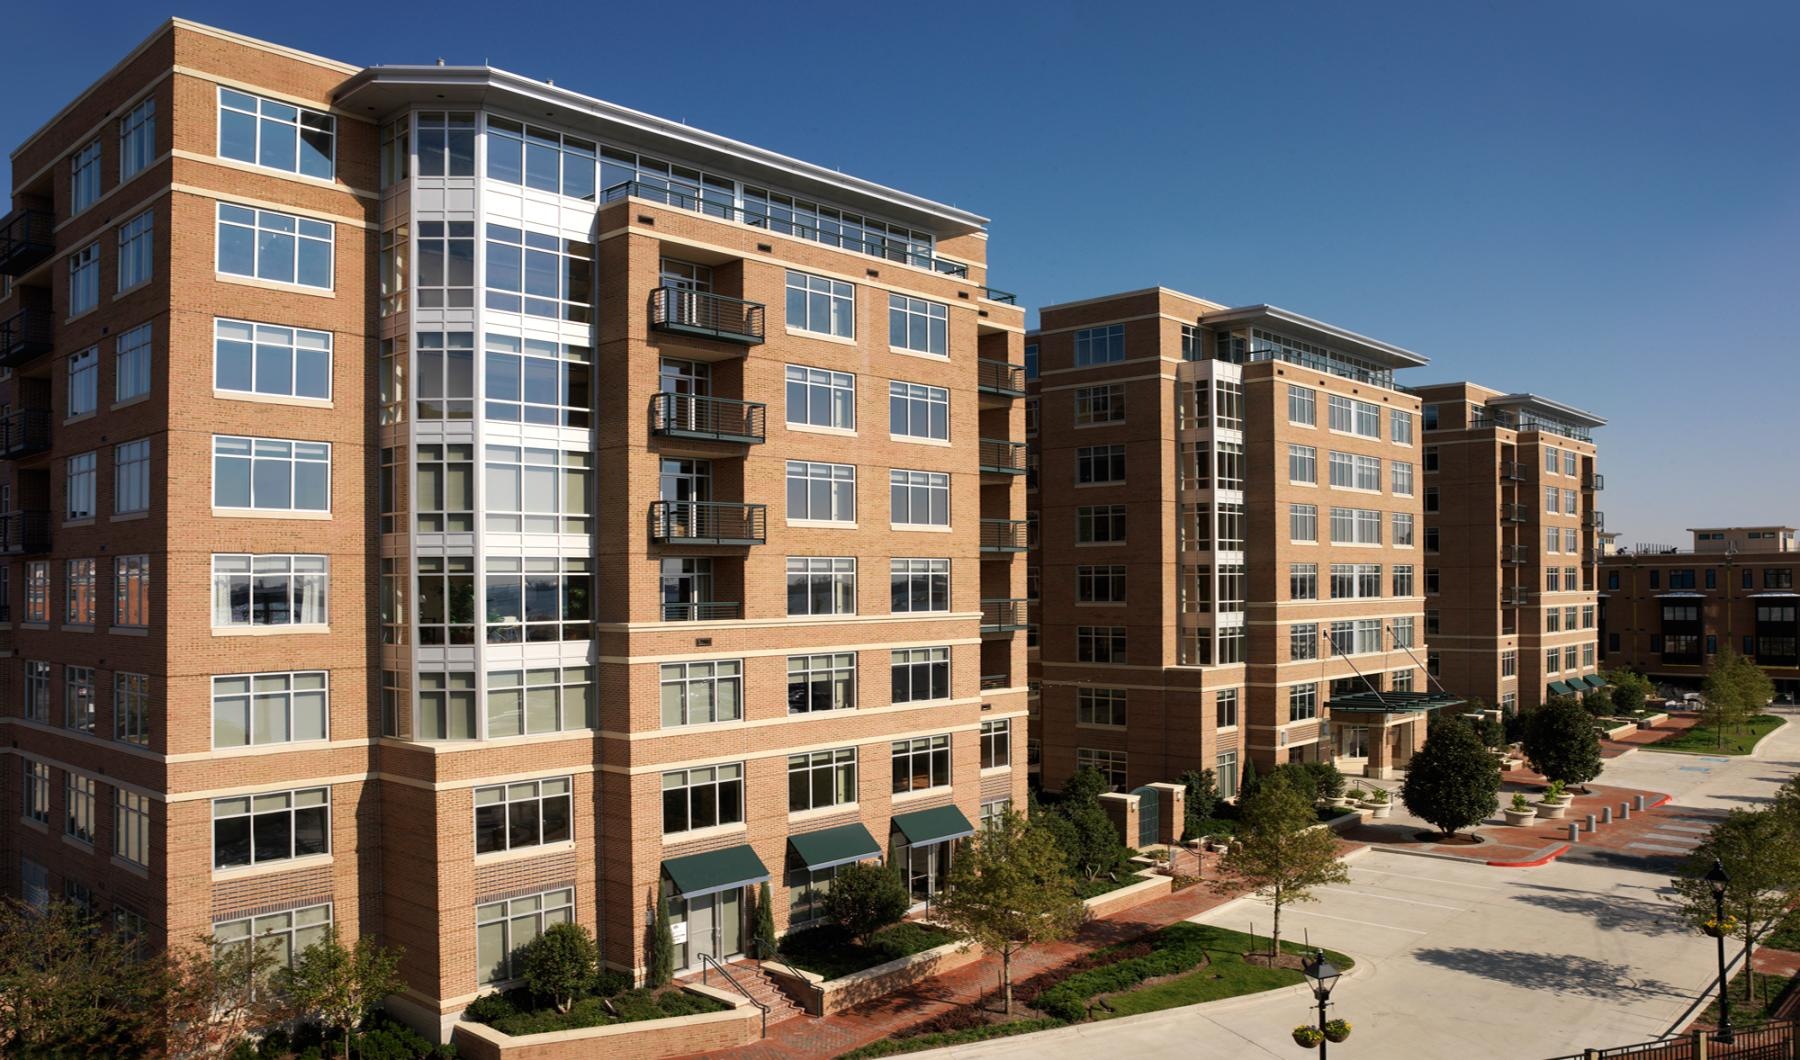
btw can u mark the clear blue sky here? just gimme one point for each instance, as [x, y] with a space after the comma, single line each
[1599, 201]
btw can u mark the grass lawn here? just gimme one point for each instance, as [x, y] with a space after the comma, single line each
[1702, 740]
[1747, 1011]
[829, 952]
[1226, 976]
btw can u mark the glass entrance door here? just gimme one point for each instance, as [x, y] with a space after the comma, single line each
[715, 927]
[926, 869]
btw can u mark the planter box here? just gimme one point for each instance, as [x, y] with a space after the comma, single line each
[1652, 721]
[1149, 888]
[1520, 818]
[1621, 730]
[1552, 811]
[822, 997]
[676, 1035]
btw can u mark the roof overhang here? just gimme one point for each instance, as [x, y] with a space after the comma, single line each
[1553, 409]
[1307, 329]
[382, 90]
[1392, 702]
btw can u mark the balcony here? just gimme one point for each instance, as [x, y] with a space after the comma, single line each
[24, 533]
[24, 432]
[994, 294]
[1512, 597]
[1515, 555]
[1512, 471]
[706, 315]
[1001, 457]
[1514, 513]
[999, 377]
[990, 682]
[708, 418]
[1594, 483]
[1003, 535]
[703, 611]
[24, 336]
[26, 239]
[1594, 520]
[1004, 616]
[708, 523]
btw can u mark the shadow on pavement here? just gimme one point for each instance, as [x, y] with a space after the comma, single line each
[1612, 912]
[1562, 973]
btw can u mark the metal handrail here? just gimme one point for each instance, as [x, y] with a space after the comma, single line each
[718, 522]
[702, 611]
[27, 237]
[713, 417]
[817, 991]
[24, 431]
[993, 681]
[24, 532]
[1337, 366]
[24, 336]
[1000, 377]
[1001, 455]
[1004, 534]
[707, 959]
[994, 294]
[715, 315]
[1002, 613]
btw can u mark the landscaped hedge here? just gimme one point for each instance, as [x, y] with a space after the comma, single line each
[1176, 951]
[895, 1046]
[514, 1013]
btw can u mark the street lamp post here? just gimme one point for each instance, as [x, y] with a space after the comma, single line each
[1323, 975]
[1717, 879]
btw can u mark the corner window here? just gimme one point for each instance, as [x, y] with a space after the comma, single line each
[264, 132]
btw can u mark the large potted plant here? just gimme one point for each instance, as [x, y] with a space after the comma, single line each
[1521, 812]
[1379, 804]
[1555, 801]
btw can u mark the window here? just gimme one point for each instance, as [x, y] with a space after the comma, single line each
[1349, 471]
[821, 779]
[1359, 526]
[35, 794]
[137, 138]
[84, 279]
[1402, 478]
[447, 706]
[1552, 621]
[1403, 579]
[527, 814]
[701, 693]
[79, 592]
[78, 698]
[1571, 502]
[536, 490]
[276, 590]
[1099, 464]
[1571, 540]
[993, 813]
[919, 585]
[921, 675]
[502, 928]
[1402, 630]
[1587, 616]
[1100, 706]
[1570, 654]
[277, 135]
[256, 358]
[821, 493]
[1359, 637]
[536, 381]
[1431, 458]
[1303, 405]
[1110, 764]
[37, 591]
[996, 743]
[918, 325]
[1099, 404]
[131, 364]
[282, 935]
[271, 474]
[1778, 577]
[1303, 463]
[1229, 458]
[539, 274]
[131, 826]
[1355, 580]
[821, 682]
[84, 178]
[444, 274]
[1303, 702]
[84, 380]
[1229, 404]
[1403, 529]
[1431, 623]
[1587, 655]
[1303, 581]
[1400, 427]
[916, 410]
[1552, 660]
[1031, 416]
[539, 598]
[919, 498]
[1100, 644]
[136, 251]
[820, 305]
[1303, 641]
[820, 398]
[1550, 461]
[1099, 345]
[1100, 584]
[131, 591]
[1553, 579]
[1303, 522]
[1431, 539]
[1194, 465]
[1100, 524]
[540, 159]
[702, 798]
[131, 477]
[131, 708]
[1031, 360]
[920, 763]
[1355, 417]
[1570, 462]
[78, 808]
[276, 826]
[253, 709]
[821, 585]
[37, 691]
[446, 144]
[274, 246]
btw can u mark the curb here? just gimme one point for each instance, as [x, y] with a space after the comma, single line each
[1545, 857]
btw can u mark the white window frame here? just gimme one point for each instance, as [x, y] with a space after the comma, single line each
[131, 364]
[922, 326]
[838, 309]
[137, 139]
[299, 344]
[300, 230]
[267, 118]
[256, 450]
[837, 389]
[137, 251]
[285, 699]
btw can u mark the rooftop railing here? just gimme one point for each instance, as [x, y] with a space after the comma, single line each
[1343, 369]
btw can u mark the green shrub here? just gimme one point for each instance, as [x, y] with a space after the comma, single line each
[560, 963]
[608, 982]
[1067, 1001]
[866, 897]
[491, 1008]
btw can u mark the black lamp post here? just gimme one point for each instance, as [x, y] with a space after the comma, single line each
[1323, 975]
[1717, 879]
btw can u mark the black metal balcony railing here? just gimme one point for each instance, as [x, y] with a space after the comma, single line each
[24, 432]
[24, 336]
[1594, 482]
[703, 611]
[1003, 535]
[989, 682]
[1001, 457]
[771, 218]
[999, 377]
[711, 418]
[994, 294]
[1512, 598]
[708, 523]
[1004, 616]
[26, 238]
[1512, 471]
[1514, 513]
[1514, 555]
[24, 533]
[1594, 520]
[708, 315]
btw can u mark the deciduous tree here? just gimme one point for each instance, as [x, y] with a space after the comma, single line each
[1561, 743]
[866, 897]
[560, 963]
[340, 985]
[1736, 690]
[1760, 850]
[1278, 854]
[1454, 781]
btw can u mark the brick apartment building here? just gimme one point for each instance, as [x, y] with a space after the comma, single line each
[1227, 561]
[438, 503]
[1511, 542]
[1667, 611]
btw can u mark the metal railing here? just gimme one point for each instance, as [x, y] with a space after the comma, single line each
[1594, 482]
[23, 533]
[708, 522]
[27, 237]
[1331, 365]
[716, 419]
[1512, 598]
[989, 682]
[1000, 377]
[1514, 555]
[1771, 1040]
[685, 199]
[24, 432]
[1512, 471]
[1004, 616]
[712, 316]
[703, 611]
[24, 336]
[1000, 456]
[994, 294]
[1003, 535]
[708, 961]
[1514, 513]
[1594, 520]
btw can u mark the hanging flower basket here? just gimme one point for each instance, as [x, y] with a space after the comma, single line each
[1308, 1037]
[1715, 928]
[1337, 1030]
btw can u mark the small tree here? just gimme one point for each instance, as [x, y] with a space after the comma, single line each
[1736, 689]
[1247, 780]
[662, 945]
[68, 988]
[1597, 702]
[1453, 781]
[1009, 889]
[1561, 742]
[1629, 691]
[340, 986]
[1085, 785]
[1760, 850]
[560, 963]
[1201, 800]
[1277, 852]
[762, 937]
[866, 897]
[213, 998]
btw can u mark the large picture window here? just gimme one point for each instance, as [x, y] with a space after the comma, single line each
[920, 585]
[278, 590]
[821, 682]
[252, 358]
[821, 585]
[821, 779]
[274, 246]
[821, 305]
[274, 826]
[252, 709]
[919, 498]
[917, 325]
[702, 798]
[817, 397]
[541, 699]
[282, 935]
[527, 814]
[539, 491]
[916, 410]
[921, 675]
[271, 474]
[700, 693]
[539, 598]
[921, 763]
[821, 493]
[539, 274]
[537, 381]
[265, 132]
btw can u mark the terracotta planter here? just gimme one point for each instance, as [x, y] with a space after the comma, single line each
[1520, 818]
[1552, 811]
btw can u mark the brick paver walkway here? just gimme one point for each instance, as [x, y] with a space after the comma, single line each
[1676, 723]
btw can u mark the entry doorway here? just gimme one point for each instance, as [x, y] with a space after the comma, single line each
[709, 925]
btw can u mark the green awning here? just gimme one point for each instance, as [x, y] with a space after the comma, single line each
[933, 826]
[715, 870]
[834, 846]
[1561, 688]
[1595, 681]
[1391, 702]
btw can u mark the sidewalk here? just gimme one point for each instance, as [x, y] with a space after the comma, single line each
[1631, 741]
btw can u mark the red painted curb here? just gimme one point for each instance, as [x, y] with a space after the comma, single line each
[1658, 802]
[1534, 863]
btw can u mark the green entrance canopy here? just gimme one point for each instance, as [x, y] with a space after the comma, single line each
[1391, 702]
[1595, 681]
[834, 846]
[1561, 688]
[715, 870]
[934, 825]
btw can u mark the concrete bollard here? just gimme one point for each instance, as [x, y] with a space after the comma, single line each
[1624, 811]
[1637, 803]
[1606, 815]
[1574, 832]
[1590, 824]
